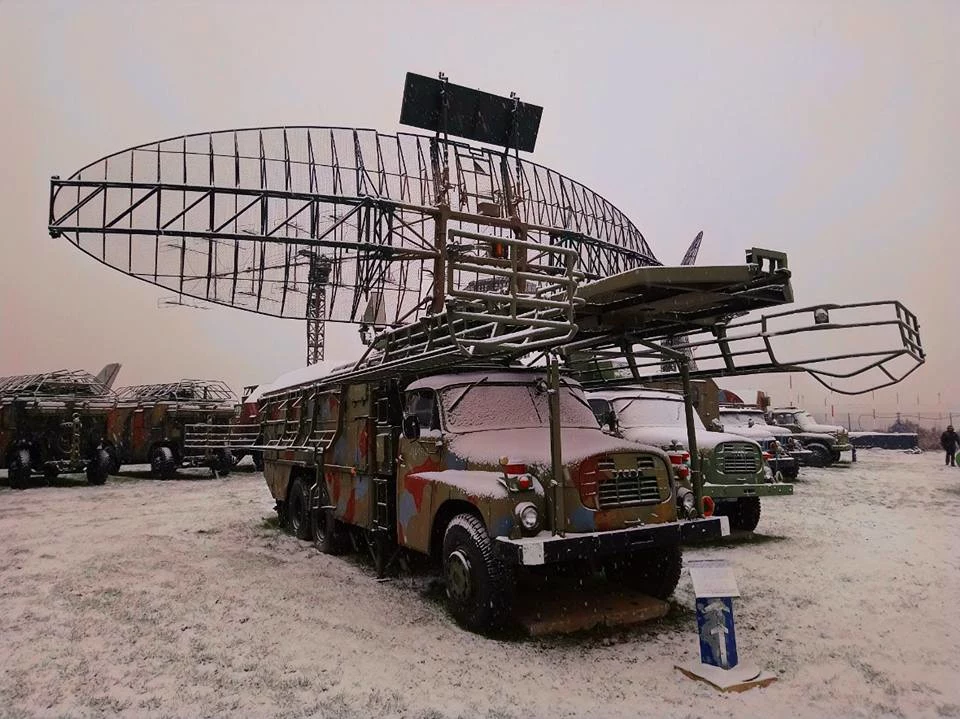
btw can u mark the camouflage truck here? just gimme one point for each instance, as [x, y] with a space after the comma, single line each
[151, 424]
[56, 422]
[457, 467]
[828, 442]
[734, 473]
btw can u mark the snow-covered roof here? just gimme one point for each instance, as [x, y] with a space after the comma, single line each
[731, 408]
[295, 378]
[510, 376]
[636, 393]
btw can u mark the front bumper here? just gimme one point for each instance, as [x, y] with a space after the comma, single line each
[735, 491]
[549, 549]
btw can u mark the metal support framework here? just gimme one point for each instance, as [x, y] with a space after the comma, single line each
[59, 385]
[184, 391]
[871, 345]
[237, 217]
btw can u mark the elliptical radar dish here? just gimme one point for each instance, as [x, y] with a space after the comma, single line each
[240, 217]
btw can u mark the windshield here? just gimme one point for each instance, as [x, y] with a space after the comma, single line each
[468, 408]
[742, 419]
[652, 412]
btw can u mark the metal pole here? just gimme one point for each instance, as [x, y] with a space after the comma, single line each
[695, 477]
[556, 456]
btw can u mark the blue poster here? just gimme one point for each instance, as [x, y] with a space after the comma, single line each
[718, 641]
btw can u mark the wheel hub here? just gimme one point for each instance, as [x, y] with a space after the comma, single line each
[459, 585]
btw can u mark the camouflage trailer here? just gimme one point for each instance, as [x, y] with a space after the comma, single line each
[733, 468]
[457, 466]
[57, 422]
[153, 424]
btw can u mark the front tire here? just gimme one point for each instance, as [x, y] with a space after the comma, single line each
[298, 511]
[19, 469]
[745, 514]
[654, 572]
[99, 467]
[479, 586]
[822, 456]
[162, 463]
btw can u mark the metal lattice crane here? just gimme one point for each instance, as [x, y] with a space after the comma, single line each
[690, 258]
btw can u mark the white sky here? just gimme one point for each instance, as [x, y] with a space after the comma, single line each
[827, 130]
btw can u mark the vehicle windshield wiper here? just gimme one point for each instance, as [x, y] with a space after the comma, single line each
[463, 394]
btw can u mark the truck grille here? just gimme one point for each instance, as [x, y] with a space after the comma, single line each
[629, 487]
[738, 458]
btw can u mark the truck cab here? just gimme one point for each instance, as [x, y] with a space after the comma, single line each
[458, 466]
[732, 467]
[782, 452]
[828, 442]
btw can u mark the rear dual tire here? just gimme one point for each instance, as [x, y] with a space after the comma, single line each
[19, 469]
[98, 468]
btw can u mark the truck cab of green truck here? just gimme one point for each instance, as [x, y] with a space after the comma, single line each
[732, 467]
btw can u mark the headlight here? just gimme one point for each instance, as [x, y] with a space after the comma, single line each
[528, 516]
[689, 501]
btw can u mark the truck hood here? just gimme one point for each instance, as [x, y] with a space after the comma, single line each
[663, 436]
[532, 445]
[758, 433]
[833, 429]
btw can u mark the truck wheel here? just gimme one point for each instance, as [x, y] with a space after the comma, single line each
[298, 511]
[162, 464]
[792, 472]
[746, 514]
[19, 469]
[654, 572]
[257, 458]
[99, 467]
[225, 461]
[327, 534]
[479, 587]
[821, 457]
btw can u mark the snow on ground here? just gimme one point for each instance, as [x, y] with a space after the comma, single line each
[148, 598]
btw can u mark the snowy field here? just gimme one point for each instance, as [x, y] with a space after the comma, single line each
[148, 598]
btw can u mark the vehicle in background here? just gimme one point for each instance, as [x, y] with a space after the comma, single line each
[778, 443]
[827, 441]
[56, 422]
[151, 425]
[457, 466]
[732, 467]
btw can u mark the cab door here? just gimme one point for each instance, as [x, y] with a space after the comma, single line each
[423, 454]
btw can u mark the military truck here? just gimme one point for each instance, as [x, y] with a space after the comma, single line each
[751, 422]
[152, 422]
[828, 442]
[56, 422]
[459, 467]
[732, 467]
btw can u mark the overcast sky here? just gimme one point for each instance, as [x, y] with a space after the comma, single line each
[826, 130]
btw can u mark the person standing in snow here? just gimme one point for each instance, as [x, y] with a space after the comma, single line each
[949, 440]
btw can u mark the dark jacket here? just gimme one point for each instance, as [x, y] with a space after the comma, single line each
[950, 441]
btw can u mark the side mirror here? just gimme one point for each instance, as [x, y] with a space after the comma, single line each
[609, 423]
[411, 426]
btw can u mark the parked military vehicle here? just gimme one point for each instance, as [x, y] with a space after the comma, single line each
[777, 442]
[456, 466]
[732, 466]
[56, 422]
[152, 424]
[828, 442]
